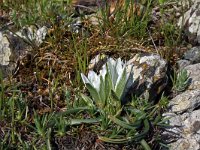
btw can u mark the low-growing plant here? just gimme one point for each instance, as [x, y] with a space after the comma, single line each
[180, 80]
[108, 88]
[124, 123]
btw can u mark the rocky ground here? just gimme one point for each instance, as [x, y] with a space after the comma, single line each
[151, 66]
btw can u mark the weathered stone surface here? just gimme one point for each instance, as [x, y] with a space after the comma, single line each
[5, 51]
[194, 76]
[185, 118]
[187, 129]
[97, 62]
[190, 21]
[13, 46]
[186, 3]
[183, 63]
[193, 55]
[149, 74]
[186, 101]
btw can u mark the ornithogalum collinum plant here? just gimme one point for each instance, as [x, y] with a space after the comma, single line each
[109, 87]
[107, 91]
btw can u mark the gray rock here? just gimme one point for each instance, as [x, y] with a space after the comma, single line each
[190, 22]
[5, 51]
[194, 76]
[14, 46]
[11, 49]
[193, 55]
[187, 127]
[186, 3]
[186, 101]
[184, 133]
[97, 62]
[149, 72]
[183, 63]
[187, 143]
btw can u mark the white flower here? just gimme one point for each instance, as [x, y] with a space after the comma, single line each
[115, 70]
[93, 79]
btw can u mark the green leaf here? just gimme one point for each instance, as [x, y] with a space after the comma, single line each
[93, 93]
[81, 121]
[88, 100]
[145, 145]
[114, 96]
[161, 1]
[145, 131]
[108, 87]
[73, 111]
[111, 68]
[102, 91]
[122, 123]
[115, 141]
[121, 84]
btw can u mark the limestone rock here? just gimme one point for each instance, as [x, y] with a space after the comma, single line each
[194, 76]
[11, 48]
[5, 51]
[186, 101]
[193, 55]
[150, 75]
[190, 21]
[184, 114]
[187, 127]
[14, 46]
[183, 63]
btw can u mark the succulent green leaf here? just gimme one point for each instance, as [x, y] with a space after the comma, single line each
[102, 90]
[145, 131]
[121, 84]
[112, 71]
[108, 85]
[121, 123]
[145, 145]
[88, 100]
[73, 111]
[114, 96]
[93, 92]
[81, 121]
[115, 141]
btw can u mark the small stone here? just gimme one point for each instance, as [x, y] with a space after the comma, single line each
[190, 23]
[193, 55]
[14, 46]
[183, 63]
[186, 101]
[5, 51]
[194, 76]
[149, 73]
[187, 128]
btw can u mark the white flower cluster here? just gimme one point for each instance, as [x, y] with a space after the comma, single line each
[117, 70]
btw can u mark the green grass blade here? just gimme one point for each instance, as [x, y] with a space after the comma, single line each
[121, 123]
[82, 121]
[121, 84]
[145, 145]
[88, 101]
[94, 93]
